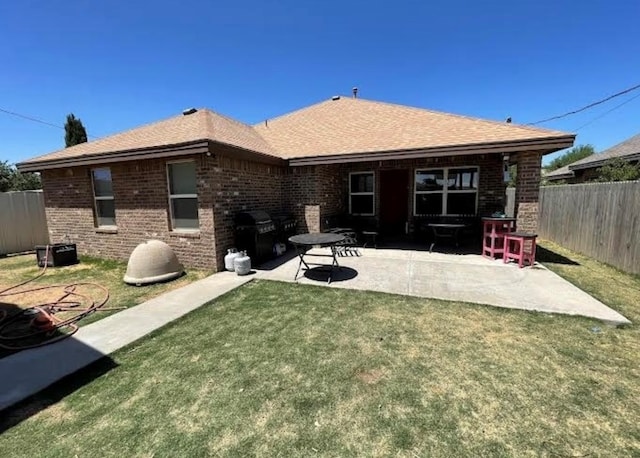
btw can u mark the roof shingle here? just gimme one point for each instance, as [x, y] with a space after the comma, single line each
[349, 125]
[327, 128]
[201, 125]
[629, 147]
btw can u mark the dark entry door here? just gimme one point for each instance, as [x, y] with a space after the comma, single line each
[394, 200]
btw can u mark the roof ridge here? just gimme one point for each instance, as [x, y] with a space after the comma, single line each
[210, 122]
[456, 115]
[289, 113]
[228, 118]
[410, 107]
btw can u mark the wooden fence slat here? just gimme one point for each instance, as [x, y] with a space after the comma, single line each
[600, 220]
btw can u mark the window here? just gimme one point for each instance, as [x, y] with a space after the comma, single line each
[104, 204]
[446, 192]
[183, 196]
[361, 194]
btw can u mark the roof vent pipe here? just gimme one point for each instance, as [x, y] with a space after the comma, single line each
[335, 97]
[355, 92]
[189, 111]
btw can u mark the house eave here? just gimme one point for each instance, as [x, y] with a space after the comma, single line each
[180, 149]
[247, 154]
[562, 176]
[601, 162]
[546, 145]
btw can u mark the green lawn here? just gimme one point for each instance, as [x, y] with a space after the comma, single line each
[275, 369]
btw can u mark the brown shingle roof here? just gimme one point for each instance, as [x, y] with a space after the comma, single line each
[559, 174]
[629, 148]
[350, 125]
[334, 127]
[201, 125]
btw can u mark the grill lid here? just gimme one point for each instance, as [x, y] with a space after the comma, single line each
[282, 217]
[255, 217]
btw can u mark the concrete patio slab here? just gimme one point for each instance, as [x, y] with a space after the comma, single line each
[29, 371]
[467, 278]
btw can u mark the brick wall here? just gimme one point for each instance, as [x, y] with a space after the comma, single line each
[302, 196]
[142, 211]
[242, 185]
[325, 188]
[527, 190]
[226, 185]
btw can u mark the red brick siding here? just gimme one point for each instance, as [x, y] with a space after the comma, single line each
[302, 196]
[226, 185]
[142, 211]
[242, 185]
[527, 190]
[327, 186]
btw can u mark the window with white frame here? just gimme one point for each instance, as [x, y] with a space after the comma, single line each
[104, 205]
[183, 195]
[361, 193]
[447, 191]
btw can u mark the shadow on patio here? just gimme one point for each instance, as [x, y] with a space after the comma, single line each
[454, 274]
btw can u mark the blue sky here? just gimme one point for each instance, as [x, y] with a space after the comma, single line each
[117, 65]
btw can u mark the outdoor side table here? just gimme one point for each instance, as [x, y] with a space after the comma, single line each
[520, 247]
[304, 242]
[370, 237]
[493, 232]
[445, 231]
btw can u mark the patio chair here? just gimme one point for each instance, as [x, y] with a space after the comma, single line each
[349, 246]
[338, 224]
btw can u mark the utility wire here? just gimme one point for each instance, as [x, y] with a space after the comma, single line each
[591, 105]
[607, 112]
[30, 118]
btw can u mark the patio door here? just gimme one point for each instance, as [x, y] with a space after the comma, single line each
[394, 201]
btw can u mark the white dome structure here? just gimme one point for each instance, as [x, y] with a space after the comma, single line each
[151, 262]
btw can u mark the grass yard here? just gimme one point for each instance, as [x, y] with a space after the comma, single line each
[275, 369]
[16, 269]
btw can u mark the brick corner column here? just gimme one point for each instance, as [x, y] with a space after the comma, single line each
[312, 217]
[528, 164]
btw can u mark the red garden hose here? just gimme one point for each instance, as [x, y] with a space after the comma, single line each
[38, 325]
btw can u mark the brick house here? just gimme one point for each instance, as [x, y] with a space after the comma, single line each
[182, 180]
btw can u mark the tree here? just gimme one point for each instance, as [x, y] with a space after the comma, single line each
[12, 180]
[26, 181]
[574, 154]
[74, 131]
[617, 169]
[6, 176]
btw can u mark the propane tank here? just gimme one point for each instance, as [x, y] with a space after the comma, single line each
[232, 254]
[242, 263]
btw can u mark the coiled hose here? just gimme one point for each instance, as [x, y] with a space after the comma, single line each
[38, 325]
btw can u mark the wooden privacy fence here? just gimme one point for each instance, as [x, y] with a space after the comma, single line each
[23, 223]
[600, 220]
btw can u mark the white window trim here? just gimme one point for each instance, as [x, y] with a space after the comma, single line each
[372, 193]
[179, 196]
[97, 198]
[445, 191]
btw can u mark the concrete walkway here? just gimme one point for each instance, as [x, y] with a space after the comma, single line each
[27, 372]
[468, 278]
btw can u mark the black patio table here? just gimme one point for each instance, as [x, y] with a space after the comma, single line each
[304, 242]
[445, 231]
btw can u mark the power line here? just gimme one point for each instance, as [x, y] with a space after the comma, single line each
[31, 118]
[591, 105]
[607, 112]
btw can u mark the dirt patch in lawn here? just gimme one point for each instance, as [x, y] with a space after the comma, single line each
[370, 377]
